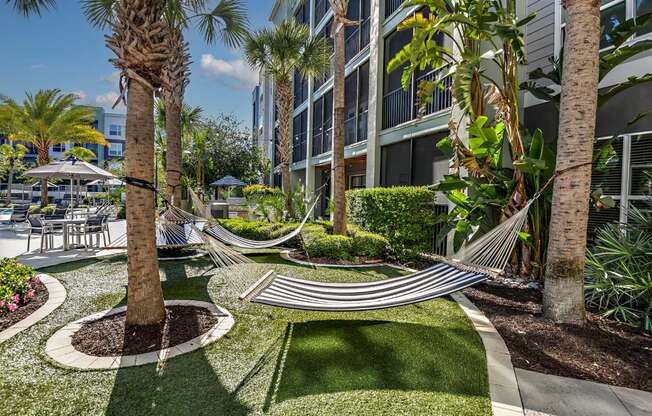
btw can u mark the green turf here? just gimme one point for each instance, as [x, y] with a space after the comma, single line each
[413, 360]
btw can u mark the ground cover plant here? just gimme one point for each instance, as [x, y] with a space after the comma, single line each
[419, 359]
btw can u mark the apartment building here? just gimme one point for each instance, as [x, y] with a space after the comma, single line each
[388, 145]
[112, 125]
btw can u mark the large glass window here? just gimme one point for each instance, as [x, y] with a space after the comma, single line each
[300, 89]
[322, 111]
[356, 99]
[643, 7]
[321, 7]
[413, 162]
[115, 130]
[115, 149]
[357, 36]
[299, 137]
[302, 14]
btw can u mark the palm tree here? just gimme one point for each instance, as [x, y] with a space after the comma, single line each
[29, 7]
[47, 118]
[563, 298]
[280, 52]
[11, 156]
[139, 42]
[340, 22]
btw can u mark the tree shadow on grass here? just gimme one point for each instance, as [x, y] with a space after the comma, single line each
[337, 356]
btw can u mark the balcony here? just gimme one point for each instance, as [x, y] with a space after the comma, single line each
[321, 143]
[400, 106]
[391, 6]
[321, 8]
[357, 40]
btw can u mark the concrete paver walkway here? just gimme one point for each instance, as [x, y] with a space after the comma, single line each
[546, 395]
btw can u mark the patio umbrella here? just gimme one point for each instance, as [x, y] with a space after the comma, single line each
[107, 182]
[70, 168]
[228, 181]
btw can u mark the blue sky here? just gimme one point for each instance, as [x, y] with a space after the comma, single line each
[61, 50]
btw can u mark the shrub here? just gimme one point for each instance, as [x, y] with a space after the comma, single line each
[37, 210]
[368, 244]
[403, 215]
[17, 283]
[337, 247]
[618, 273]
[267, 202]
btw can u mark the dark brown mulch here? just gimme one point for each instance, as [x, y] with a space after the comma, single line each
[39, 298]
[601, 350]
[107, 336]
[323, 260]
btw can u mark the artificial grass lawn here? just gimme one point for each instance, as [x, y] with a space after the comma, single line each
[413, 360]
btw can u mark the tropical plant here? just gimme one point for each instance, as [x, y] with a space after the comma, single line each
[48, 118]
[340, 22]
[280, 52]
[11, 157]
[139, 41]
[563, 299]
[30, 7]
[267, 202]
[618, 274]
[80, 153]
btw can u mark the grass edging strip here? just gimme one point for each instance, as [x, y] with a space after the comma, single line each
[56, 296]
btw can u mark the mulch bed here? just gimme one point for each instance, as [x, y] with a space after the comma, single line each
[107, 336]
[39, 298]
[602, 351]
[323, 260]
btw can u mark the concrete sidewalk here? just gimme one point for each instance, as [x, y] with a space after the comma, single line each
[546, 395]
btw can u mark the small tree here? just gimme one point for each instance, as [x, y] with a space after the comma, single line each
[10, 158]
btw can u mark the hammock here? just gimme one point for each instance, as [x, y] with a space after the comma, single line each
[475, 263]
[215, 230]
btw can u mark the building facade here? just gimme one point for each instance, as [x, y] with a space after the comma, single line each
[389, 144]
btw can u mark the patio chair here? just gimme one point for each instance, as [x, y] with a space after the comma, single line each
[105, 227]
[92, 226]
[38, 227]
[19, 215]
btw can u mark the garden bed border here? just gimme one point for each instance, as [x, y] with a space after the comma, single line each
[60, 350]
[56, 296]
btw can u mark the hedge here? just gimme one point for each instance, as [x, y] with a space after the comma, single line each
[317, 238]
[403, 215]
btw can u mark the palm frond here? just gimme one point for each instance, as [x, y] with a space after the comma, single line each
[227, 21]
[31, 7]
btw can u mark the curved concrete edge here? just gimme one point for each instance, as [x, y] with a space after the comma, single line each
[59, 347]
[285, 254]
[56, 296]
[503, 385]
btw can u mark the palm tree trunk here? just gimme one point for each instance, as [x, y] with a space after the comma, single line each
[563, 299]
[10, 180]
[43, 159]
[144, 296]
[337, 162]
[173, 157]
[285, 104]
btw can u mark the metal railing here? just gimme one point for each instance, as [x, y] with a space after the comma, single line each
[391, 6]
[321, 143]
[357, 40]
[299, 149]
[401, 106]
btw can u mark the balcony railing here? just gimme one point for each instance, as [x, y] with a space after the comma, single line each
[321, 143]
[299, 149]
[357, 40]
[401, 106]
[391, 6]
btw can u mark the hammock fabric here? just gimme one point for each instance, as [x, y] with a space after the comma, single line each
[218, 232]
[471, 265]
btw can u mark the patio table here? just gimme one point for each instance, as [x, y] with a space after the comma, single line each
[65, 222]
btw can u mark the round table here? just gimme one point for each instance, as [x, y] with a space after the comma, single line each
[65, 222]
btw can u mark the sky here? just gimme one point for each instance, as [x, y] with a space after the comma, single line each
[61, 50]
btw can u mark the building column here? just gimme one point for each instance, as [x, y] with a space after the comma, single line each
[376, 71]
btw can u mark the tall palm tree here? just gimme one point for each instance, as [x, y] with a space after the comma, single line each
[226, 21]
[47, 118]
[563, 298]
[280, 52]
[10, 156]
[29, 7]
[139, 42]
[340, 22]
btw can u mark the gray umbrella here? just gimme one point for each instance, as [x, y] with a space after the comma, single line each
[228, 181]
[70, 168]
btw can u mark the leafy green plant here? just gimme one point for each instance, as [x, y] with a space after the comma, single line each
[403, 215]
[267, 202]
[337, 247]
[618, 271]
[17, 284]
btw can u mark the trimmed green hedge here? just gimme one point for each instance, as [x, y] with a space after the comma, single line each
[403, 215]
[317, 238]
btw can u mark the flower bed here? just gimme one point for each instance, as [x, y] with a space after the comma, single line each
[18, 284]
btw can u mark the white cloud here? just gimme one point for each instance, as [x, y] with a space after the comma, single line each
[112, 79]
[107, 100]
[237, 71]
[37, 67]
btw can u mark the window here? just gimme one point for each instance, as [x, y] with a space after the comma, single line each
[115, 149]
[322, 111]
[300, 89]
[325, 32]
[321, 8]
[415, 161]
[356, 103]
[115, 130]
[357, 37]
[302, 14]
[643, 7]
[299, 137]
[627, 179]
[357, 181]
[60, 147]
